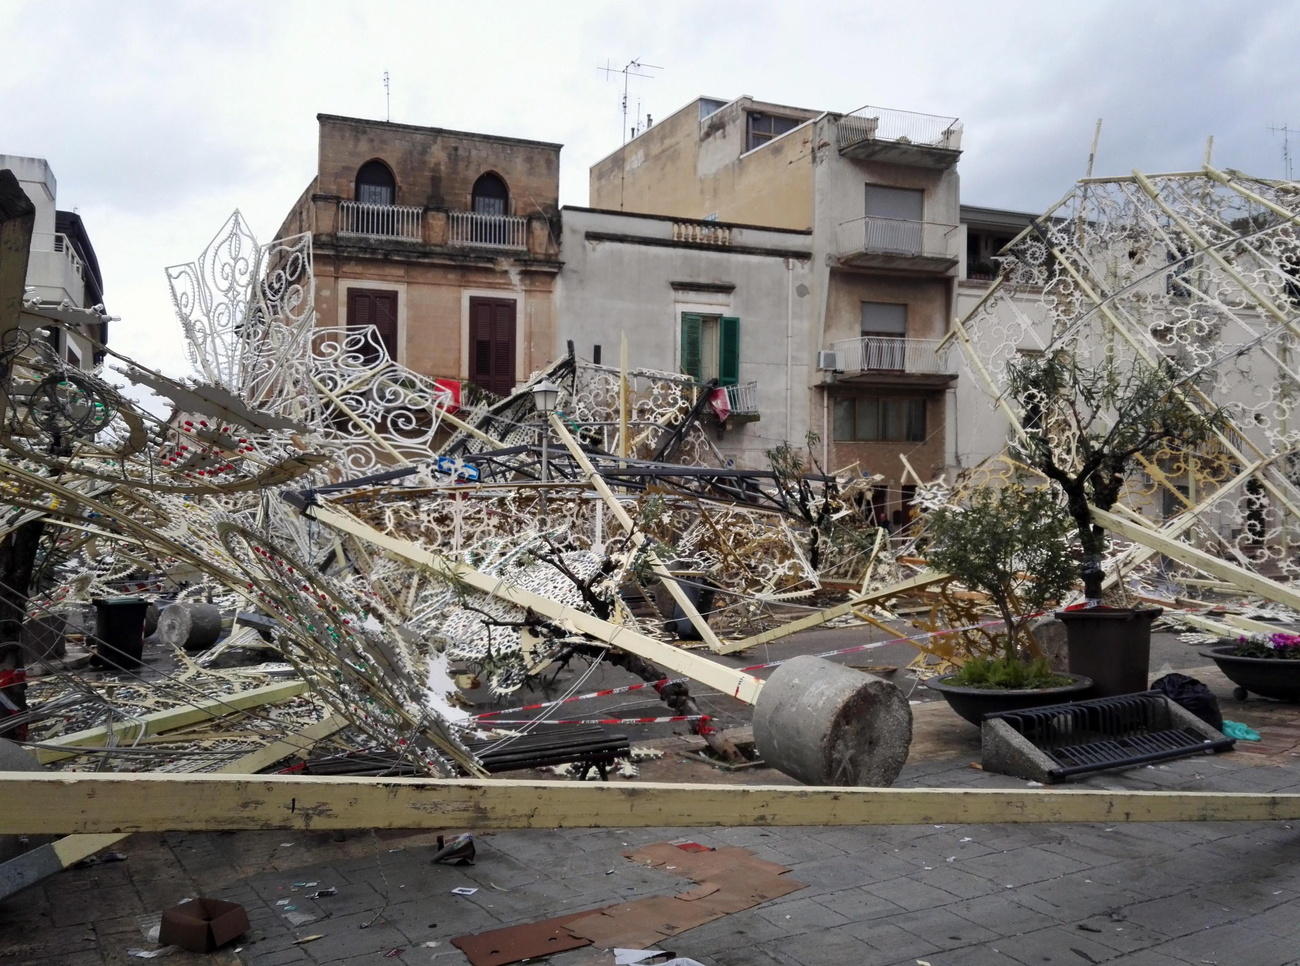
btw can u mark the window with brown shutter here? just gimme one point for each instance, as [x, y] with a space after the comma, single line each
[492, 344]
[377, 307]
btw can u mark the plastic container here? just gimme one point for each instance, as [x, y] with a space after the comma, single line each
[119, 632]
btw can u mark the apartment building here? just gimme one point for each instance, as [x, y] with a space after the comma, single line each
[62, 270]
[877, 193]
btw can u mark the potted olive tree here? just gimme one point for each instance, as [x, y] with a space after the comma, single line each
[1013, 545]
[1085, 422]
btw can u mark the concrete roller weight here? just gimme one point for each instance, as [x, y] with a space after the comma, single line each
[192, 626]
[826, 724]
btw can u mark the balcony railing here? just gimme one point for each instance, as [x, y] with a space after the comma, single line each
[701, 233]
[874, 353]
[883, 124]
[894, 236]
[476, 230]
[60, 244]
[380, 221]
[742, 398]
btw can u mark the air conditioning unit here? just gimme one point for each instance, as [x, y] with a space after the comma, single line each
[828, 360]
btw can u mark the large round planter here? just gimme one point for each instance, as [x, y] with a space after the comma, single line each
[974, 703]
[1271, 677]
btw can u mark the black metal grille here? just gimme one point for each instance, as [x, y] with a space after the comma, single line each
[1114, 732]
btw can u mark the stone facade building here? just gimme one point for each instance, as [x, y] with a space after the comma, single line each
[446, 241]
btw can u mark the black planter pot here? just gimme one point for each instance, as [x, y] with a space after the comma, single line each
[1270, 677]
[1111, 645]
[974, 703]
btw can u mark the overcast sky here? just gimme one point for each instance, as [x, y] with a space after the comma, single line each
[160, 118]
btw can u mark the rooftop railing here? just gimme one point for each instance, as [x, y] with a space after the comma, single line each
[902, 127]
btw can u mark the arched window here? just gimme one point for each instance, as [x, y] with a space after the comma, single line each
[375, 184]
[490, 195]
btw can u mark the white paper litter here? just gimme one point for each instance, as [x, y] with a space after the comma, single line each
[630, 957]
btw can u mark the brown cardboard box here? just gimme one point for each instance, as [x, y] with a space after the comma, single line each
[201, 925]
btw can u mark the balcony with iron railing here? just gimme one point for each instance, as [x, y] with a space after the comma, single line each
[472, 229]
[742, 399]
[891, 356]
[895, 243]
[381, 221]
[899, 137]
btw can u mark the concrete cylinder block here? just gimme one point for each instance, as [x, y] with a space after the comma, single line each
[825, 724]
[191, 626]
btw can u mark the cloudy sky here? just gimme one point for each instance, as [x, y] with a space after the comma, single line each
[159, 118]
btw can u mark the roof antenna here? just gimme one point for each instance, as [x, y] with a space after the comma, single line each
[631, 69]
[1286, 133]
[388, 113]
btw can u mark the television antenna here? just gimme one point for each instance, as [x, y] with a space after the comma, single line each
[388, 113]
[1286, 133]
[633, 68]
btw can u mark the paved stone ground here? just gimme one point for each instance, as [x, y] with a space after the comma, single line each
[1148, 895]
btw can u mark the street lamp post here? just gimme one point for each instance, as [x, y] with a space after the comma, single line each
[545, 395]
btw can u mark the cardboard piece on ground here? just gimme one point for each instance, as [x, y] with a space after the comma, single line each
[201, 925]
[531, 940]
[729, 880]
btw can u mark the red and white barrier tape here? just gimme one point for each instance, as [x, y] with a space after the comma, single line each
[588, 721]
[663, 682]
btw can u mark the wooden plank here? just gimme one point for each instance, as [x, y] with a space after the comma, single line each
[738, 684]
[639, 539]
[104, 802]
[45, 860]
[1216, 567]
[919, 582]
[127, 731]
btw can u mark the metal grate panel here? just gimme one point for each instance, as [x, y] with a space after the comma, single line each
[1113, 732]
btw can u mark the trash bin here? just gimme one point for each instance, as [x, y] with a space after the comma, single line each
[119, 632]
[1111, 645]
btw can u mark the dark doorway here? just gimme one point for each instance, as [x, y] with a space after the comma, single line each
[492, 344]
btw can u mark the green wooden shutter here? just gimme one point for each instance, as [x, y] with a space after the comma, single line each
[691, 325]
[729, 351]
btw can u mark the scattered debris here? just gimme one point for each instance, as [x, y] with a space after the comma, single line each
[463, 891]
[202, 925]
[459, 850]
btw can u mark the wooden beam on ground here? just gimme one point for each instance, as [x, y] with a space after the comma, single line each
[103, 802]
[45, 860]
[128, 730]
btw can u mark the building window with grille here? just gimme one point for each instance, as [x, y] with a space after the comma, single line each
[490, 195]
[375, 184]
[880, 419]
[762, 128]
[711, 348]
